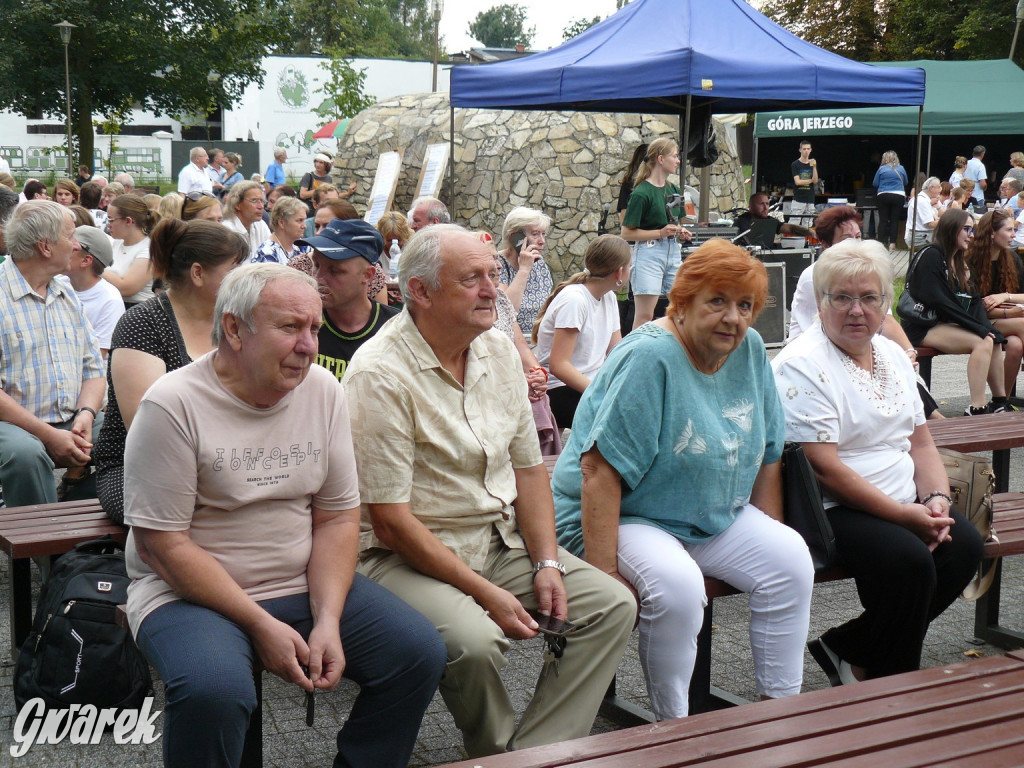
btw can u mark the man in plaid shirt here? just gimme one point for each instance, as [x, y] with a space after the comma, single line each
[51, 373]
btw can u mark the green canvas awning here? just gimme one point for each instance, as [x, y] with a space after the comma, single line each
[961, 97]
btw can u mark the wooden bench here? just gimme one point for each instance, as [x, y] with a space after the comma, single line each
[42, 530]
[964, 715]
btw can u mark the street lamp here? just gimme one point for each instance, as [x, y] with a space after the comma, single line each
[65, 28]
[213, 80]
[1016, 29]
[436, 9]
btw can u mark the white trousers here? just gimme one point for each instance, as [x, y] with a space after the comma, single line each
[755, 554]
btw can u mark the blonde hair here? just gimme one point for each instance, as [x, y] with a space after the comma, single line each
[656, 149]
[604, 256]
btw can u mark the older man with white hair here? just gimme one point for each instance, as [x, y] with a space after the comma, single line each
[251, 552]
[193, 176]
[51, 373]
[426, 211]
[920, 230]
[125, 180]
[459, 518]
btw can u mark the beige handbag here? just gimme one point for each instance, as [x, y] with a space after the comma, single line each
[971, 484]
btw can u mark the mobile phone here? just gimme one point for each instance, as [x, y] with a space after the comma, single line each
[517, 240]
[549, 625]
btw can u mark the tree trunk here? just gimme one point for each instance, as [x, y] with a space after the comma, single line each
[82, 127]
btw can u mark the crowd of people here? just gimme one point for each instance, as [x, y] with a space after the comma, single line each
[333, 463]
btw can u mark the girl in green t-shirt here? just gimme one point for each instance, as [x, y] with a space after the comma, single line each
[656, 255]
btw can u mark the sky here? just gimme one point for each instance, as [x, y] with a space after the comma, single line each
[550, 17]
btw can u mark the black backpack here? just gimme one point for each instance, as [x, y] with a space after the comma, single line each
[76, 653]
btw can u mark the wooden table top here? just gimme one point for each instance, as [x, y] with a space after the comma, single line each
[991, 432]
[966, 714]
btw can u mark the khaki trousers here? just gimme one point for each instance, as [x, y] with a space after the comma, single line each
[569, 690]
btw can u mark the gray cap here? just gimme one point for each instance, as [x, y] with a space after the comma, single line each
[95, 243]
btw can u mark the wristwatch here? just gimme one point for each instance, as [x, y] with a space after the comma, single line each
[548, 564]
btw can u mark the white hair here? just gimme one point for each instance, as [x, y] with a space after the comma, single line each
[33, 222]
[520, 218]
[239, 294]
[279, 152]
[422, 258]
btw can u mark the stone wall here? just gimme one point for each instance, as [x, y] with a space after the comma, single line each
[567, 164]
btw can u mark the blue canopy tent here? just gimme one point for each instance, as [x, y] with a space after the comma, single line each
[673, 56]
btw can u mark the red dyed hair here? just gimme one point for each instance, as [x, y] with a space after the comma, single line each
[719, 266]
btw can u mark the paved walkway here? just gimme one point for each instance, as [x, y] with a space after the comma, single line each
[288, 742]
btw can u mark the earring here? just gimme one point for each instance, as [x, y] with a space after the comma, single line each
[618, 283]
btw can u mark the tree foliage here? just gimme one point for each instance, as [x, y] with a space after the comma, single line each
[368, 28]
[897, 30]
[851, 28]
[936, 29]
[342, 90]
[578, 26]
[502, 27]
[146, 52]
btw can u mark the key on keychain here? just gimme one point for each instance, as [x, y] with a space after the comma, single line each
[310, 702]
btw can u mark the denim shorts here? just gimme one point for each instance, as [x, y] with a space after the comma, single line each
[655, 263]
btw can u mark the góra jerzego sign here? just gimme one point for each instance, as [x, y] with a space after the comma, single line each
[805, 124]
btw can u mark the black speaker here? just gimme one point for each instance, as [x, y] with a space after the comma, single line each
[771, 323]
[796, 261]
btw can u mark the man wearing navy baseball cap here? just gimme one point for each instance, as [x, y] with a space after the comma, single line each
[344, 254]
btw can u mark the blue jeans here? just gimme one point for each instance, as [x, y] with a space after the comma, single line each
[393, 653]
[26, 469]
[655, 263]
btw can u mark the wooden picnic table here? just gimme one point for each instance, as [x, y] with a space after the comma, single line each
[996, 432]
[999, 433]
[965, 714]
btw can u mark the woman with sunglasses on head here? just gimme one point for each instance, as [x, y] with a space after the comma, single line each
[243, 213]
[940, 280]
[130, 221]
[997, 275]
[199, 206]
[850, 399]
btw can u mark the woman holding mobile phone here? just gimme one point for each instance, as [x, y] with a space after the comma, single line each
[523, 268]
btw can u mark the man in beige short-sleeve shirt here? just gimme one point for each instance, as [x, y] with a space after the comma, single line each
[458, 518]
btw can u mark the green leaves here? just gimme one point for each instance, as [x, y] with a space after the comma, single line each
[502, 27]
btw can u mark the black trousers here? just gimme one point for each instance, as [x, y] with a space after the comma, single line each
[564, 400]
[890, 208]
[902, 587]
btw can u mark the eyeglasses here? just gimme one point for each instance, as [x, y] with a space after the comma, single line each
[969, 230]
[844, 303]
[255, 200]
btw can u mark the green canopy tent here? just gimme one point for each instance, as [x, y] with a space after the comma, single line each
[974, 101]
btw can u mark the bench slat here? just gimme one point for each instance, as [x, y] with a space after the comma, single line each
[983, 674]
